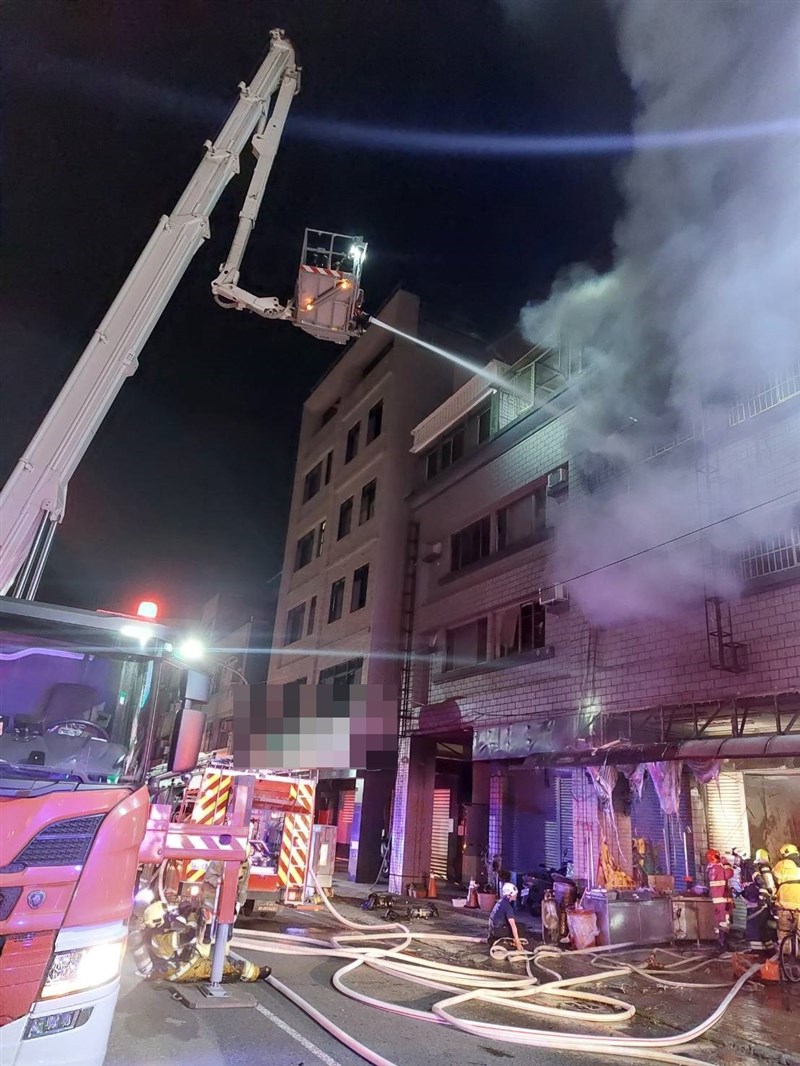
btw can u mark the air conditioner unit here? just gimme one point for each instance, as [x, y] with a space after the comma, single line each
[554, 597]
[431, 553]
[558, 481]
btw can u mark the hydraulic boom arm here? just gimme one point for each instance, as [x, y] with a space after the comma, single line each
[33, 499]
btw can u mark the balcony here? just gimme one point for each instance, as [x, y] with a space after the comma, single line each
[455, 409]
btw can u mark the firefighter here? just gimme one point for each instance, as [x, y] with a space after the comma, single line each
[719, 875]
[762, 872]
[758, 894]
[171, 936]
[502, 923]
[787, 879]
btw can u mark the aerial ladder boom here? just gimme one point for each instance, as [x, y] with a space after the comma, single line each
[33, 500]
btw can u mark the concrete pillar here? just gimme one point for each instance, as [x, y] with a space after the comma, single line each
[412, 820]
[373, 793]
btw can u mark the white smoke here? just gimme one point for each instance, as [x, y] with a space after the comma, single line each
[701, 307]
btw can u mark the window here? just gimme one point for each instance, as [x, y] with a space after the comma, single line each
[347, 673]
[521, 520]
[358, 596]
[329, 414]
[520, 629]
[337, 600]
[320, 537]
[345, 518]
[295, 684]
[368, 494]
[470, 544]
[294, 624]
[304, 552]
[452, 448]
[771, 554]
[313, 483]
[466, 645]
[378, 358]
[312, 616]
[432, 464]
[328, 467]
[484, 424]
[351, 448]
[374, 421]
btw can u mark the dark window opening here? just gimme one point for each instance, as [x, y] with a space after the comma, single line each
[320, 537]
[470, 544]
[368, 494]
[294, 624]
[521, 520]
[312, 616]
[328, 467]
[337, 600]
[358, 596]
[484, 420]
[304, 552]
[346, 673]
[313, 483]
[345, 518]
[466, 645]
[374, 422]
[431, 465]
[378, 358]
[520, 629]
[329, 414]
[351, 448]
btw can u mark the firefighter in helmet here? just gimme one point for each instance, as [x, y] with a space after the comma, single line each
[758, 894]
[787, 879]
[171, 938]
[719, 875]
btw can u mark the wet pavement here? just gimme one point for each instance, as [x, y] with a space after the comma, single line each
[762, 1025]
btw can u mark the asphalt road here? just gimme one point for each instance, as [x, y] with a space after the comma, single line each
[152, 1028]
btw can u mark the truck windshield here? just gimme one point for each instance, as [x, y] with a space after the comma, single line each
[81, 711]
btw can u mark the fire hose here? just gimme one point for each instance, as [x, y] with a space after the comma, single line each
[558, 999]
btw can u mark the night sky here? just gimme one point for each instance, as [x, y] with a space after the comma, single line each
[186, 488]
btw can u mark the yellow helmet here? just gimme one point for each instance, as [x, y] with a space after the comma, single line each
[762, 855]
[788, 849]
[154, 914]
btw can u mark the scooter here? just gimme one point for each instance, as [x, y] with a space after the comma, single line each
[557, 881]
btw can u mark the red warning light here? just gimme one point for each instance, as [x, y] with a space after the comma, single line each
[147, 609]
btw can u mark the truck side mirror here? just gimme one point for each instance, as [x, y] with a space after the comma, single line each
[187, 739]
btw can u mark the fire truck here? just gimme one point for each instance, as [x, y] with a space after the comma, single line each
[92, 702]
[284, 844]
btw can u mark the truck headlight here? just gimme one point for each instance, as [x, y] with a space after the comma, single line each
[83, 969]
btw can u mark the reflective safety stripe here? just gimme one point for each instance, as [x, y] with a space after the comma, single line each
[716, 884]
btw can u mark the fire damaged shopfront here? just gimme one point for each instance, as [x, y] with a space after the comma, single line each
[625, 702]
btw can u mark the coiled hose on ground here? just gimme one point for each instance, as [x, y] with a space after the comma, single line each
[560, 999]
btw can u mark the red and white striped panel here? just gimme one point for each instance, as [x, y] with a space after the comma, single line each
[323, 270]
[295, 850]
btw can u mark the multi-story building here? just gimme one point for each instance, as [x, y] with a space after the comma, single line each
[339, 610]
[526, 724]
[237, 642]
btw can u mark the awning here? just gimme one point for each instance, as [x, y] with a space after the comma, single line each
[772, 746]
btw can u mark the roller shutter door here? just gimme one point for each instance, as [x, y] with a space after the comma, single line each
[347, 807]
[440, 835]
[727, 814]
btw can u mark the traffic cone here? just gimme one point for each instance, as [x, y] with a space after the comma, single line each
[432, 893]
[472, 897]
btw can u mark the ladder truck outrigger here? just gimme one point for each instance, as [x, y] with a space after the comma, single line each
[93, 701]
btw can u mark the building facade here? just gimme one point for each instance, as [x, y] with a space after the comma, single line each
[339, 609]
[531, 733]
[237, 641]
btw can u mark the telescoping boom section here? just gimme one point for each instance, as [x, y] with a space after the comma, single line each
[326, 304]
